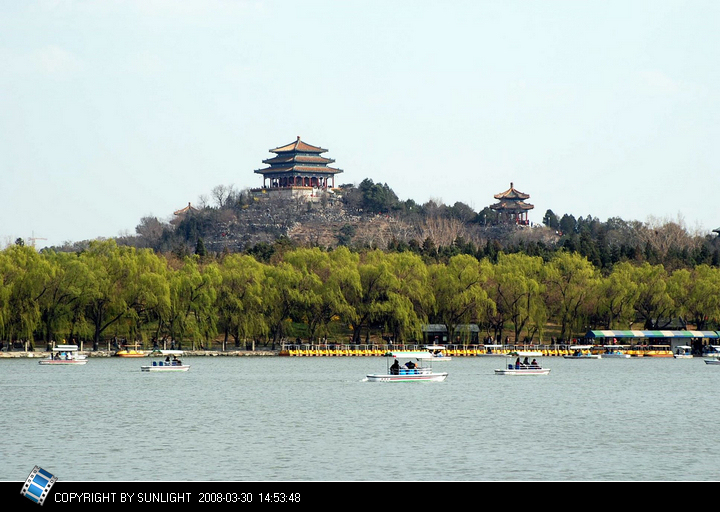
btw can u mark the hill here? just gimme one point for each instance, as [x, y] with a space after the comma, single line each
[371, 215]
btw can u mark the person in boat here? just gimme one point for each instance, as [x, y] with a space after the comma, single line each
[534, 364]
[526, 362]
[517, 363]
[395, 368]
[410, 365]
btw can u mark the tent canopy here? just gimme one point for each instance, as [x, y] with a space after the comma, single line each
[652, 334]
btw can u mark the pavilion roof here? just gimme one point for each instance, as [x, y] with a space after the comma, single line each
[189, 208]
[299, 158]
[512, 193]
[296, 168]
[298, 145]
[512, 206]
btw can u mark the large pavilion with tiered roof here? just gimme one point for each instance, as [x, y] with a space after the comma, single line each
[298, 165]
[512, 206]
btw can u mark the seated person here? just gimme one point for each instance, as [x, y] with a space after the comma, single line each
[395, 368]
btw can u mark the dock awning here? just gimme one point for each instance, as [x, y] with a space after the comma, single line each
[652, 334]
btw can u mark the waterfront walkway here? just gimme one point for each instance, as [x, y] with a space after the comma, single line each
[338, 350]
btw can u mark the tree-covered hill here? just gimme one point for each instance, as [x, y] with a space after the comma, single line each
[370, 215]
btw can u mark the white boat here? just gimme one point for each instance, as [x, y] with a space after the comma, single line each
[64, 355]
[683, 352]
[493, 350]
[533, 367]
[438, 353]
[616, 352]
[712, 361]
[582, 352]
[711, 351]
[408, 366]
[170, 364]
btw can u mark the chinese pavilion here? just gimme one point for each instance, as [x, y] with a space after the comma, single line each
[298, 164]
[512, 206]
[184, 211]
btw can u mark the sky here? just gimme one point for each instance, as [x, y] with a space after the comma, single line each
[114, 110]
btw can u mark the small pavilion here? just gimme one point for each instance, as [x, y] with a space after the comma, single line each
[512, 206]
[184, 211]
[298, 165]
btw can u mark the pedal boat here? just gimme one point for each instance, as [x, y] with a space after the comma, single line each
[412, 366]
[523, 369]
[173, 365]
[683, 352]
[64, 355]
[438, 353]
[582, 352]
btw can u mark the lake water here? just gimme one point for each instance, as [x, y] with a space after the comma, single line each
[316, 419]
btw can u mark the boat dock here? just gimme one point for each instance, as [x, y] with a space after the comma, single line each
[341, 350]
[331, 350]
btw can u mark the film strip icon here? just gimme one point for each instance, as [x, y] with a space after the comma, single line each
[38, 484]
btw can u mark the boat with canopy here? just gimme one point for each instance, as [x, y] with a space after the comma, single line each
[64, 355]
[581, 352]
[408, 366]
[170, 364]
[524, 367]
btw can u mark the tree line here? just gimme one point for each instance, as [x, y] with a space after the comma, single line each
[275, 292]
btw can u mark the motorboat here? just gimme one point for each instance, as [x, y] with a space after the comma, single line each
[408, 366]
[64, 355]
[582, 352]
[170, 364]
[438, 353]
[683, 352]
[523, 368]
[712, 361]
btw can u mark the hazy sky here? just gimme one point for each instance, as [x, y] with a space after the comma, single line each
[112, 110]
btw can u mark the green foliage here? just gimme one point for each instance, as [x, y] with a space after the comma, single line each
[279, 290]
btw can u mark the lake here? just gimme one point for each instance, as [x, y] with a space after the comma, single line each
[316, 419]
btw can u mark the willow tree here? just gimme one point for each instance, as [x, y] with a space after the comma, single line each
[291, 292]
[190, 311]
[336, 281]
[65, 294]
[654, 304]
[27, 274]
[617, 295]
[377, 284]
[5, 291]
[459, 291]
[149, 291]
[696, 294]
[241, 298]
[571, 288]
[123, 283]
[411, 301]
[516, 287]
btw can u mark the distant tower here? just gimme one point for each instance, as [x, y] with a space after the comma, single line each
[298, 165]
[512, 206]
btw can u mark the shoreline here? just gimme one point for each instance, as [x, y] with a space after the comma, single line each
[104, 353]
